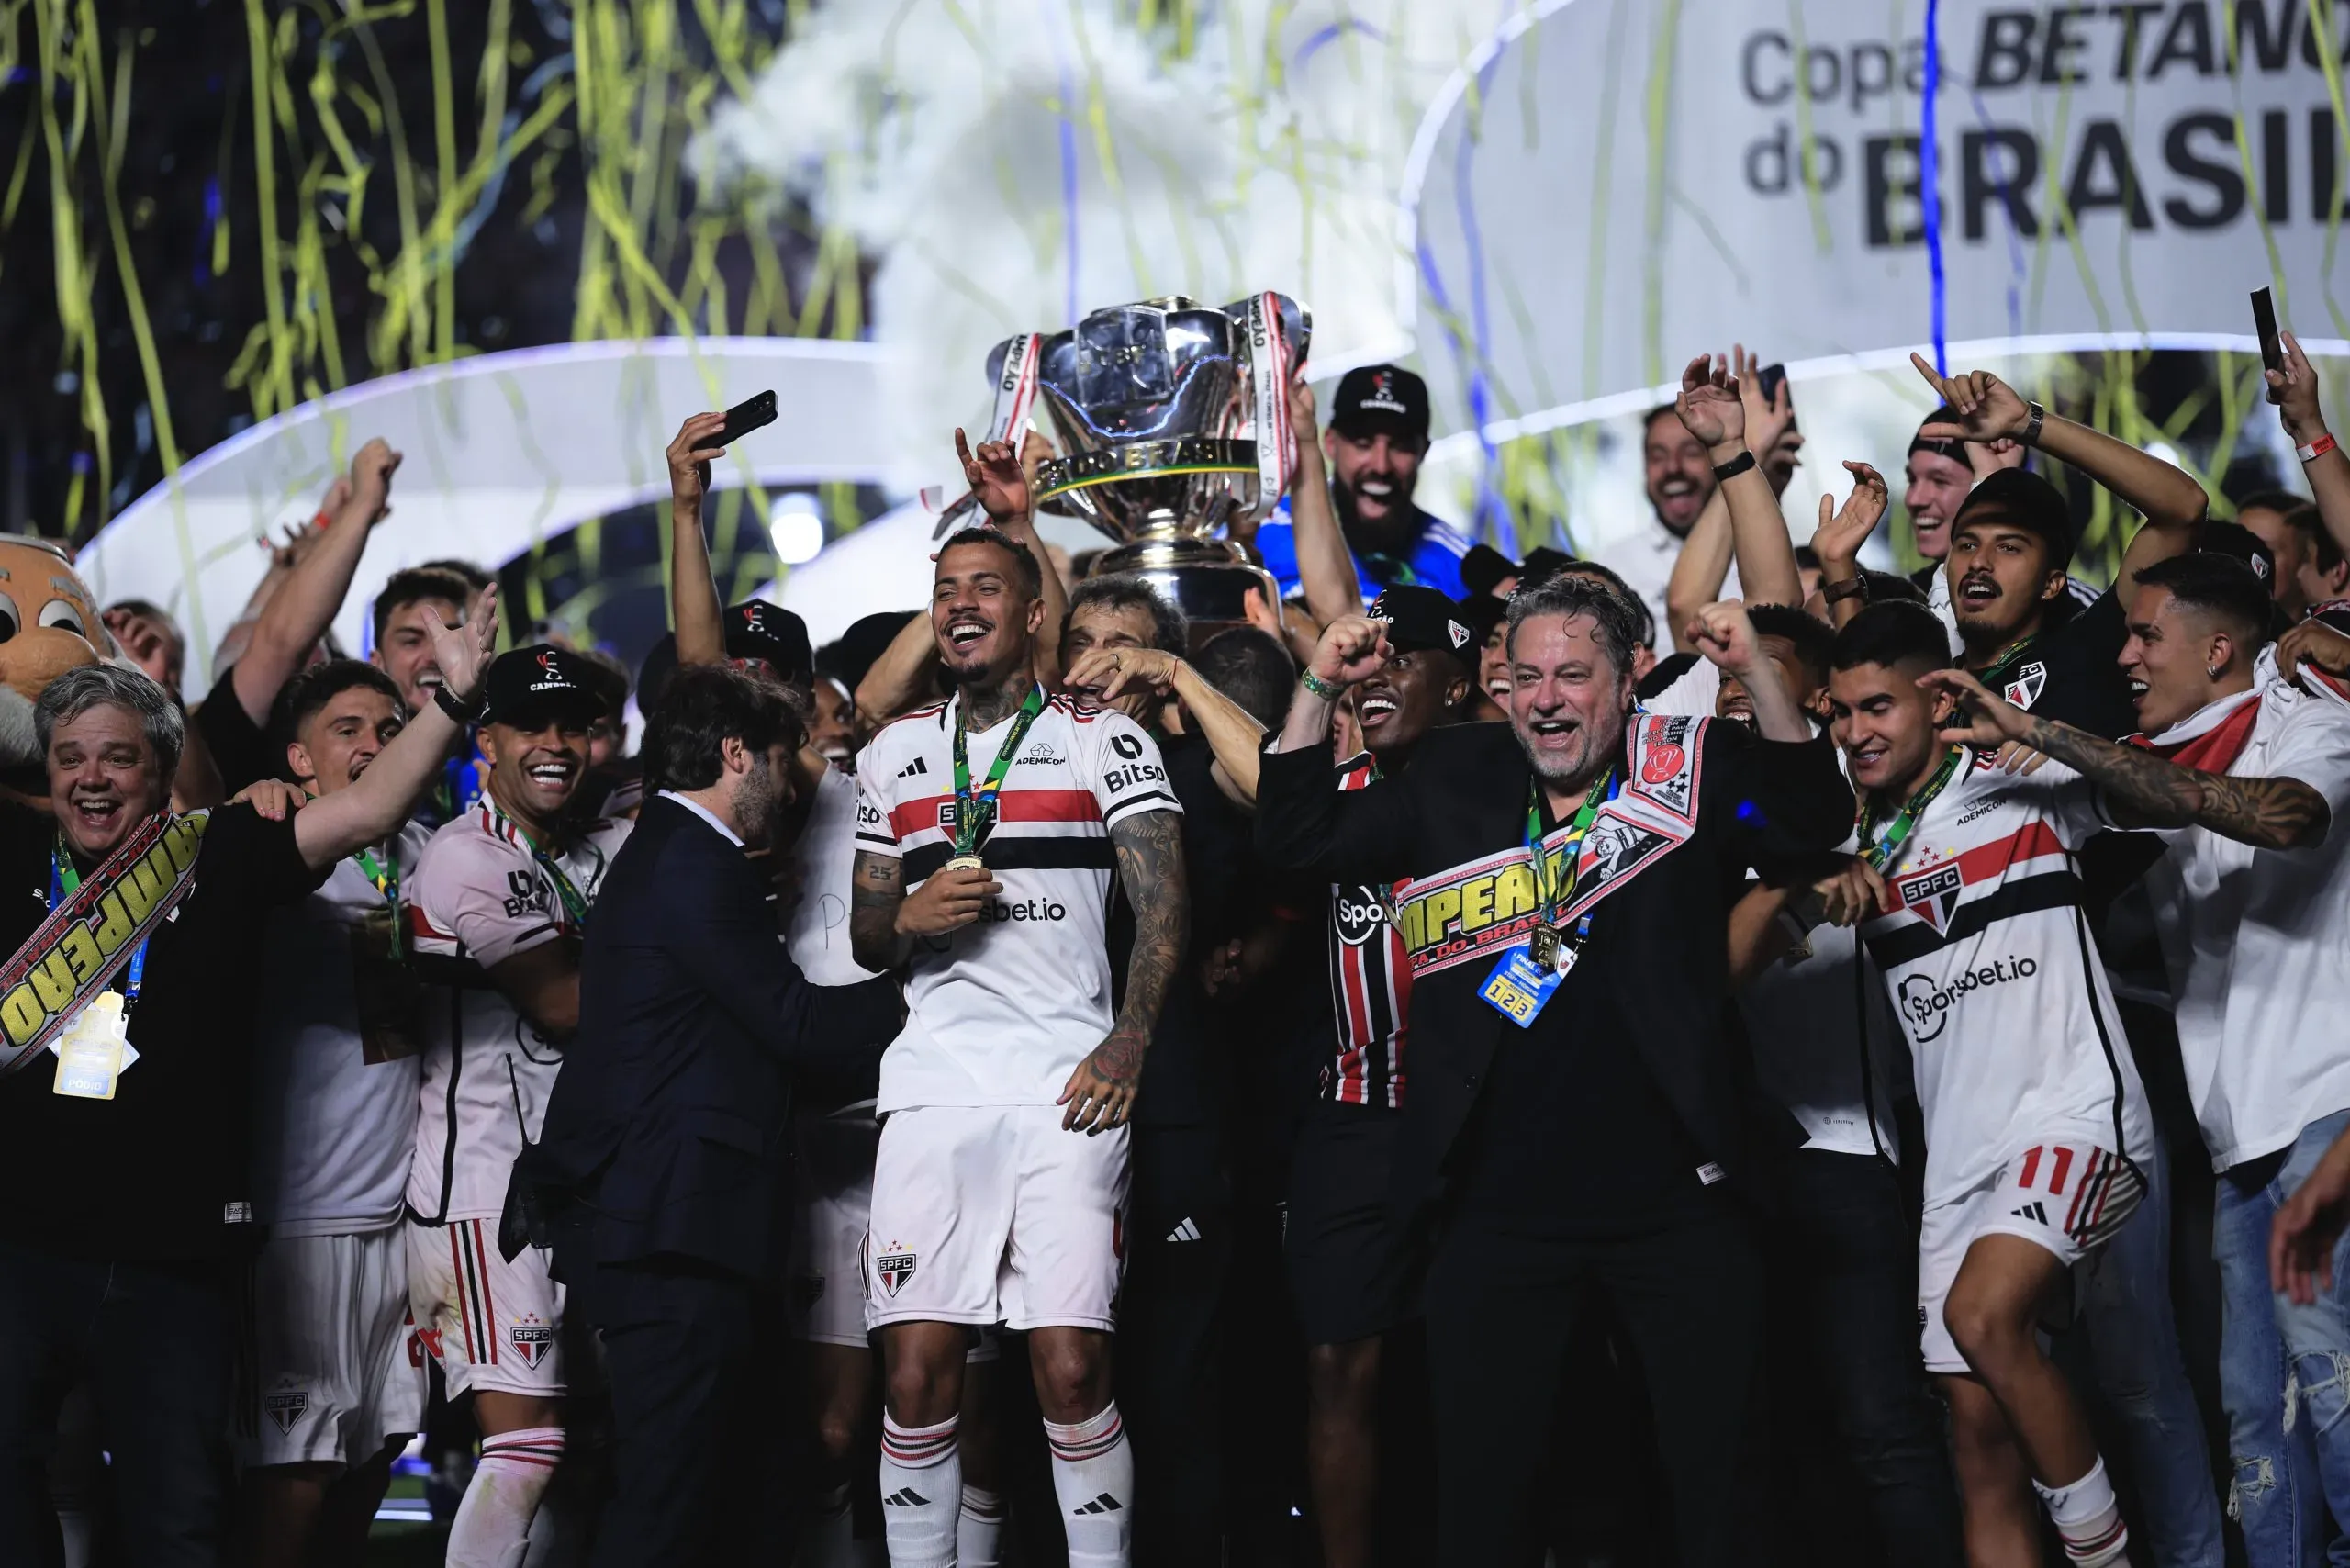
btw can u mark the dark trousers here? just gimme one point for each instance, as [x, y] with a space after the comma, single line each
[701, 1439]
[154, 1341]
[1500, 1304]
[1169, 1343]
[1844, 1280]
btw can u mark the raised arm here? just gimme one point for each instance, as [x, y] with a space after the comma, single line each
[1326, 567]
[1234, 737]
[900, 677]
[696, 612]
[1989, 410]
[1005, 483]
[304, 604]
[2141, 789]
[335, 825]
[1711, 405]
[1303, 822]
[1101, 1093]
[1699, 570]
[1724, 634]
[1843, 530]
[2294, 390]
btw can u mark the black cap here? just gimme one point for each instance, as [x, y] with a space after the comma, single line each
[1421, 618]
[1374, 397]
[542, 679]
[866, 639]
[2027, 500]
[1941, 446]
[1484, 569]
[2238, 542]
[774, 636]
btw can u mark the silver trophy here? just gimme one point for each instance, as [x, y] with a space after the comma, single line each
[1173, 425]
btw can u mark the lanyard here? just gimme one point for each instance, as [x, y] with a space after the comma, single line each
[573, 904]
[64, 881]
[383, 874]
[1882, 852]
[975, 808]
[1555, 896]
[1995, 674]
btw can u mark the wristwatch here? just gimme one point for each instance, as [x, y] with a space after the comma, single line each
[463, 713]
[2031, 436]
[1850, 587]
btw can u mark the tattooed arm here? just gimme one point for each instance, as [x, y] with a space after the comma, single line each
[877, 886]
[1101, 1093]
[2143, 789]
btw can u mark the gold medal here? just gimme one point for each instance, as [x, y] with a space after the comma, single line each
[964, 863]
[94, 1050]
[1543, 946]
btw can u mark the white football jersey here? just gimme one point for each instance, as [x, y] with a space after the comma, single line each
[332, 1131]
[2010, 1021]
[2257, 941]
[818, 934]
[480, 895]
[1002, 1011]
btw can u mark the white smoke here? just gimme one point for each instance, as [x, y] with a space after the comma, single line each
[939, 134]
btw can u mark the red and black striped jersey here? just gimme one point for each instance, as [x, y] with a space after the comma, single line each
[1371, 983]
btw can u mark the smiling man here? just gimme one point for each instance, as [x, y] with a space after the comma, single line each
[499, 906]
[1561, 885]
[117, 1267]
[987, 829]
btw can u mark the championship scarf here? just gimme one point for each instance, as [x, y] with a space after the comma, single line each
[1016, 395]
[92, 934]
[1473, 911]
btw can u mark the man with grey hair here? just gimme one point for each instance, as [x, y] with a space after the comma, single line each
[126, 1025]
[1574, 1114]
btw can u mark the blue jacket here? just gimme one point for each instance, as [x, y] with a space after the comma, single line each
[1434, 560]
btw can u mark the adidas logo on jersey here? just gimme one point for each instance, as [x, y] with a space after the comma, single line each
[1104, 1503]
[909, 769]
[905, 1498]
[2032, 1211]
[1185, 1231]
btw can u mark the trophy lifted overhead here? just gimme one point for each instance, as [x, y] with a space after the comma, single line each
[1173, 421]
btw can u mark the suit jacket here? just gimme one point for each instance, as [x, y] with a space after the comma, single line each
[666, 1131]
[1446, 829]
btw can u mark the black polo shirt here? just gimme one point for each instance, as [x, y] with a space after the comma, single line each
[158, 1172]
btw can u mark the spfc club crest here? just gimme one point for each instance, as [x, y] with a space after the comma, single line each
[893, 1269]
[1932, 895]
[285, 1407]
[2024, 689]
[532, 1338]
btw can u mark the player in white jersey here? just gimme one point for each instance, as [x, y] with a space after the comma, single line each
[497, 910]
[2036, 1125]
[987, 831]
[336, 1383]
[2243, 776]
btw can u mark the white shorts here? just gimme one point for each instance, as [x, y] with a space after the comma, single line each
[2068, 1197]
[490, 1324]
[992, 1214]
[336, 1368]
[833, 1200]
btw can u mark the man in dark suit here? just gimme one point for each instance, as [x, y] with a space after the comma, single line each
[1573, 1120]
[664, 1166]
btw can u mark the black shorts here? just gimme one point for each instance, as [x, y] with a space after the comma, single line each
[1342, 1244]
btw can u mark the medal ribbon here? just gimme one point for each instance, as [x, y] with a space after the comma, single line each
[1995, 674]
[385, 877]
[573, 904]
[64, 881]
[1554, 896]
[975, 808]
[1883, 853]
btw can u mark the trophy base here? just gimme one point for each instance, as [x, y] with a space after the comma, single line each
[1208, 579]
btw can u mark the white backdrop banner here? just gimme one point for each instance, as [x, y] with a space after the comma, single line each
[1612, 185]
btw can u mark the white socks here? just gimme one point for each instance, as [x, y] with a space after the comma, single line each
[2089, 1518]
[493, 1524]
[1093, 1477]
[830, 1540]
[978, 1529]
[921, 1493]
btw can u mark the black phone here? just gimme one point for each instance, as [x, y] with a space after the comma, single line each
[745, 416]
[2264, 321]
[1769, 379]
